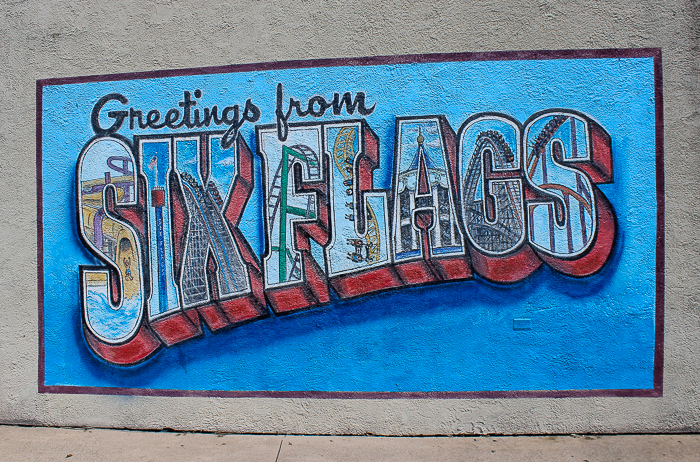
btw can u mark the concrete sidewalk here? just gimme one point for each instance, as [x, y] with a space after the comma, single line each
[77, 445]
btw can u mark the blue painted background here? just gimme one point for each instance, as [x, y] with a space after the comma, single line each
[591, 333]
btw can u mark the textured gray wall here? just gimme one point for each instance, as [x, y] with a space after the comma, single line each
[74, 38]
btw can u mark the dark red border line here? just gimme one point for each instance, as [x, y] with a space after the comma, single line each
[657, 389]
[638, 393]
[40, 229]
[366, 61]
[660, 228]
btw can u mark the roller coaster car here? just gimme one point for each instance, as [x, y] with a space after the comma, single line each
[360, 246]
[355, 257]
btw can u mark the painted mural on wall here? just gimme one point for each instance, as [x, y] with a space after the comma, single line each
[462, 225]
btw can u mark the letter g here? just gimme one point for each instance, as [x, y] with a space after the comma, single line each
[119, 116]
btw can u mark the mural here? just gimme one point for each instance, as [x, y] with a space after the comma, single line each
[388, 227]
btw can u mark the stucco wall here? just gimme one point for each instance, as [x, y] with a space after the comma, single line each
[66, 39]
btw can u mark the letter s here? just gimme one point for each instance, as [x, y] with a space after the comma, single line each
[112, 296]
[571, 224]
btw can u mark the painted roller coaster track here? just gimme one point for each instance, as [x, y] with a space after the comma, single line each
[277, 202]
